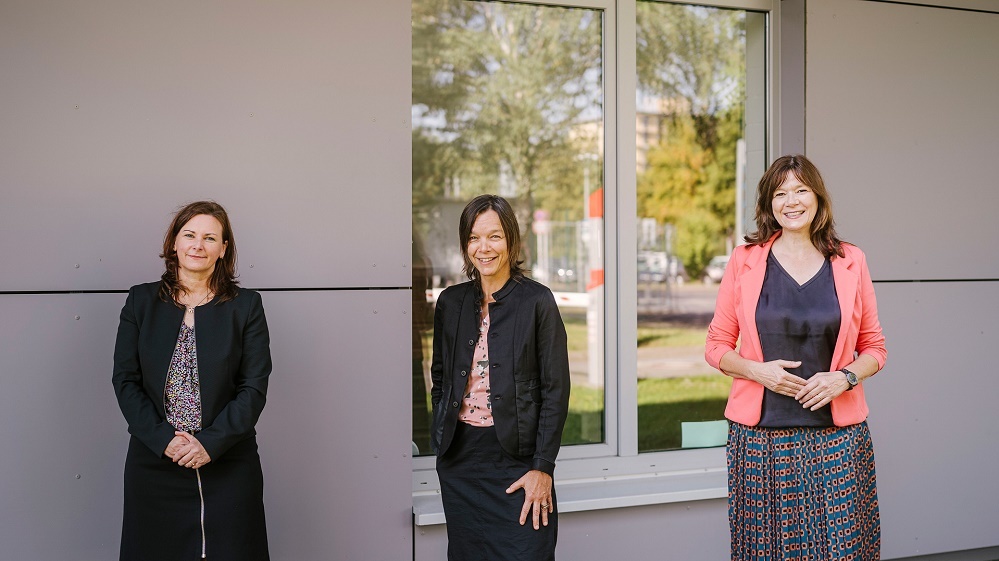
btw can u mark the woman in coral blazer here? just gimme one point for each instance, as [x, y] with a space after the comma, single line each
[800, 458]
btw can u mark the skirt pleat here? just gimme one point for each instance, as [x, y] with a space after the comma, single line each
[803, 493]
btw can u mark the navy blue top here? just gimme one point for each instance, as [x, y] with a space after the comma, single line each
[797, 322]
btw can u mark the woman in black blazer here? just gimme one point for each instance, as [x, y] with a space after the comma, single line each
[191, 363]
[500, 396]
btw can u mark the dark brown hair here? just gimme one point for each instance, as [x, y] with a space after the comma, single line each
[223, 281]
[823, 230]
[511, 230]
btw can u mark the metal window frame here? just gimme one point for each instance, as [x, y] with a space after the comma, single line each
[618, 456]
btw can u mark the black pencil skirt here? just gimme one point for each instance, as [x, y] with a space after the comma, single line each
[173, 513]
[483, 521]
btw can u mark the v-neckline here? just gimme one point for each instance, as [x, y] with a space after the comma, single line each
[799, 286]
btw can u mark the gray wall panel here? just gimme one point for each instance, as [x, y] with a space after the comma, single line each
[696, 530]
[59, 420]
[335, 437]
[933, 417]
[293, 115]
[902, 122]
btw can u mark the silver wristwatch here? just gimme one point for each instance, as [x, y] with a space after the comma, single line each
[851, 378]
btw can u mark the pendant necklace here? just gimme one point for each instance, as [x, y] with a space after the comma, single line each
[190, 309]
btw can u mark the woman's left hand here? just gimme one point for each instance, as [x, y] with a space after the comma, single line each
[822, 388]
[192, 455]
[537, 486]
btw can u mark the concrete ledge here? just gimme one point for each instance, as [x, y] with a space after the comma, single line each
[604, 493]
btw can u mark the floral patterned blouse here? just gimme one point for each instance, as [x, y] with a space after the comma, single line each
[183, 390]
[476, 408]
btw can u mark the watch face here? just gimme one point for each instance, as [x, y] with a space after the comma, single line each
[851, 377]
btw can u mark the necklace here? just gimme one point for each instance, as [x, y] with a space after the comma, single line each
[190, 309]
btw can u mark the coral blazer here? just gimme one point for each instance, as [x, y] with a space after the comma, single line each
[735, 315]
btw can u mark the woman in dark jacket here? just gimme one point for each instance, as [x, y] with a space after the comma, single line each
[500, 396]
[191, 363]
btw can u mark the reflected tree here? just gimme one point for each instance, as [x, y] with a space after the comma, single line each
[693, 57]
[497, 91]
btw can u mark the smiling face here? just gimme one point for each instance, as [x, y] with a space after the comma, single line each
[199, 245]
[487, 248]
[794, 205]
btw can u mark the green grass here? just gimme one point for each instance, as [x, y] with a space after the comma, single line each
[663, 403]
[671, 336]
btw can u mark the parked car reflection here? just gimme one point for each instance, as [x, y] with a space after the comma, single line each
[715, 269]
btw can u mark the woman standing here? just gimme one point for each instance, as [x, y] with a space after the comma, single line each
[191, 363]
[500, 396]
[800, 458]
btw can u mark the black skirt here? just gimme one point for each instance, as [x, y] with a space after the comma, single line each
[483, 521]
[173, 513]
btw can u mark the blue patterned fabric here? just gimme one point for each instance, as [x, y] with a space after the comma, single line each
[803, 494]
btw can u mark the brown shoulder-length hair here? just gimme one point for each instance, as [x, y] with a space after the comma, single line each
[823, 233]
[511, 230]
[223, 281]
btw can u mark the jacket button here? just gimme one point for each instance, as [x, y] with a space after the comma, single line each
[471, 343]
[463, 372]
[455, 404]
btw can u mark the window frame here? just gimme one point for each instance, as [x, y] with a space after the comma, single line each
[618, 456]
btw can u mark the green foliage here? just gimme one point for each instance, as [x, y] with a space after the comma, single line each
[695, 57]
[692, 53]
[497, 89]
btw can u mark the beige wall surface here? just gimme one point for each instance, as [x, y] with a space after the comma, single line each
[295, 116]
[902, 120]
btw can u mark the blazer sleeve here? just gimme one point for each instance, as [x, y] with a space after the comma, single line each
[141, 414]
[553, 361]
[870, 339]
[237, 419]
[723, 332]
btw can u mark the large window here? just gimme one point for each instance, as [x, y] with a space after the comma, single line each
[692, 137]
[508, 99]
[628, 171]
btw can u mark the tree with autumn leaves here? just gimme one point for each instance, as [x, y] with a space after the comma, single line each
[501, 90]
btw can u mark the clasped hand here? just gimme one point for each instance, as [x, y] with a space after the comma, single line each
[812, 393]
[185, 450]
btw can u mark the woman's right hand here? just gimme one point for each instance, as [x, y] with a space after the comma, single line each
[173, 449]
[775, 378]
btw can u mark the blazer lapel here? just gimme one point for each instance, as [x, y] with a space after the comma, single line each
[846, 282]
[753, 274]
[167, 318]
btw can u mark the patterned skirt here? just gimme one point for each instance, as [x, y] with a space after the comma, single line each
[803, 494]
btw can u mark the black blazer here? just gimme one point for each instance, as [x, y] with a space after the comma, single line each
[528, 371]
[234, 362]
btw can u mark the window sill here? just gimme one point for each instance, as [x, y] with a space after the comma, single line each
[604, 493]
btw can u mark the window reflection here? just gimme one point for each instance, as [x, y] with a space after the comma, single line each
[694, 103]
[507, 99]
